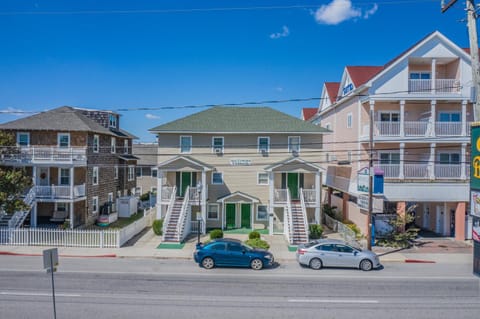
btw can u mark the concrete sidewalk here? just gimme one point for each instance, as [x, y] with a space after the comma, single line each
[146, 245]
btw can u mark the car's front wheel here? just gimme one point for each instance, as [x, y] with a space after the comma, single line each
[208, 263]
[256, 264]
[366, 265]
[316, 264]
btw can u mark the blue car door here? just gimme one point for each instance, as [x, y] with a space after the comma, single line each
[237, 255]
[219, 253]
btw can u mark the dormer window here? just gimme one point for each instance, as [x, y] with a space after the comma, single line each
[112, 122]
[23, 139]
[63, 140]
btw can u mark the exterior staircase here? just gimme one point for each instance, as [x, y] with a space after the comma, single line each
[171, 234]
[299, 234]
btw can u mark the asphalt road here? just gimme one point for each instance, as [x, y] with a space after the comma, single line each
[150, 288]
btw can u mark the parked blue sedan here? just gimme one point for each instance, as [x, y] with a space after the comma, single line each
[231, 252]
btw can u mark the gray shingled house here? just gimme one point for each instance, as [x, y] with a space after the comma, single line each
[239, 167]
[80, 162]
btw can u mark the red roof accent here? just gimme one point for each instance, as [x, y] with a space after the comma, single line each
[361, 74]
[332, 90]
[308, 113]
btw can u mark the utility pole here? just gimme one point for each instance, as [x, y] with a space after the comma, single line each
[473, 39]
[370, 183]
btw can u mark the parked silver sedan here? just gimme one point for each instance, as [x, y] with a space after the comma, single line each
[335, 253]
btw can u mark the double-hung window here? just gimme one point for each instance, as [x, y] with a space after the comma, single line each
[217, 144]
[23, 139]
[262, 212]
[63, 140]
[131, 172]
[115, 172]
[217, 178]
[95, 205]
[112, 121]
[349, 120]
[125, 146]
[185, 144]
[263, 144]
[449, 158]
[95, 175]
[389, 158]
[212, 212]
[96, 143]
[294, 144]
[64, 178]
[113, 145]
[262, 178]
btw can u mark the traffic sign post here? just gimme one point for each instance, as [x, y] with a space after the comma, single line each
[50, 263]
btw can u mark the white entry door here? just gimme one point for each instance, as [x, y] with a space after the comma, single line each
[43, 176]
[439, 218]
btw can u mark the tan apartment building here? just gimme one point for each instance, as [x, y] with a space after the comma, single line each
[421, 106]
[80, 162]
[239, 167]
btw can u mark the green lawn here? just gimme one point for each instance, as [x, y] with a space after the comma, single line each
[245, 231]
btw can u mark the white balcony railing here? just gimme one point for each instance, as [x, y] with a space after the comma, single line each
[388, 128]
[418, 128]
[390, 170]
[448, 170]
[280, 195]
[423, 171]
[416, 170]
[419, 86]
[448, 128]
[167, 193]
[60, 192]
[447, 86]
[441, 86]
[309, 195]
[46, 154]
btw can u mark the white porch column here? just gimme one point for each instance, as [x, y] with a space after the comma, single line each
[402, 118]
[203, 207]
[401, 173]
[271, 189]
[159, 194]
[318, 188]
[33, 215]
[434, 75]
[71, 214]
[372, 108]
[433, 117]
[463, 174]
[72, 182]
[34, 175]
[464, 118]
[431, 162]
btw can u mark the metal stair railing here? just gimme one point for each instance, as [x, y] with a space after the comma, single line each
[19, 216]
[288, 226]
[169, 212]
[183, 214]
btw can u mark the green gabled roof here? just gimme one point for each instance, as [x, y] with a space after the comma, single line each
[222, 119]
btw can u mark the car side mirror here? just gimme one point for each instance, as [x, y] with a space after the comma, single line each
[243, 251]
[355, 253]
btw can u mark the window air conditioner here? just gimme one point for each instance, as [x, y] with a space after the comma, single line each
[218, 150]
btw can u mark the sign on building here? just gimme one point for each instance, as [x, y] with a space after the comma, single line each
[475, 195]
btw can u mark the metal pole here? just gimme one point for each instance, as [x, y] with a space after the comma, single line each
[53, 287]
[370, 183]
[472, 36]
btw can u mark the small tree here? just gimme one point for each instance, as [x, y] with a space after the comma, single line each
[13, 181]
[401, 235]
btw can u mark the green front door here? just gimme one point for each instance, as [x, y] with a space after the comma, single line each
[246, 215]
[186, 181]
[292, 184]
[230, 216]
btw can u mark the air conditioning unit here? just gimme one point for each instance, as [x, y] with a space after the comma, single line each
[264, 153]
[294, 153]
[218, 150]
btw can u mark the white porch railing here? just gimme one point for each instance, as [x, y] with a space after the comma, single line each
[59, 191]
[448, 170]
[166, 220]
[310, 196]
[167, 192]
[388, 128]
[48, 154]
[448, 128]
[304, 213]
[288, 226]
[390, 170]
[418, 128]
[416, 170]
[419, 86]
[280, 195]
[447, 86]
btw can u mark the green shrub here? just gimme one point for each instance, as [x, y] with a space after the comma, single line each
[216, 233]
[254, 235]
[158, 226]
[315, 230]
[257, 243]
[145, 197]
[353, 227]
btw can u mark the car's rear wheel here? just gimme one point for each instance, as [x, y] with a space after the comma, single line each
[256, 264]
[208, 263]
[366, 265]
[316, 264]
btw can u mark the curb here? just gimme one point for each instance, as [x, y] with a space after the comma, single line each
[420, 261]
[8, 253]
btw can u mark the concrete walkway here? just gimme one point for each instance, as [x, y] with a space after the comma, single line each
[145, 245]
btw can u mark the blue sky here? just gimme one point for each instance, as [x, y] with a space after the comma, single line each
[119, 54]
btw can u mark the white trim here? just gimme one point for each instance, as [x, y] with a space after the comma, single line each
[258, 178]
[258, 143]
[96, 172]
[221, 173]
[215, 147]
[96, 147]
[218, 211]
[58, 139]
[18, 138]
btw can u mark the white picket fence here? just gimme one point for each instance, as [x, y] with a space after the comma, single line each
[87, 238]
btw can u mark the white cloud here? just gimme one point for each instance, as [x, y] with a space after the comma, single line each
[13, 111]
[338, 11]
[152, 116]
[285, 33]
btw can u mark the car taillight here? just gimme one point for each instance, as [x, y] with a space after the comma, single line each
[301, 251]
